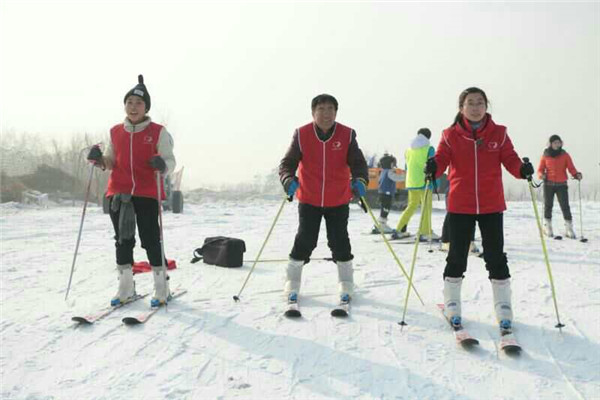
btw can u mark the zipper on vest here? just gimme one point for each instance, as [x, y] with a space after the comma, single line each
[323, 185]
[131, 159]
[476, 180]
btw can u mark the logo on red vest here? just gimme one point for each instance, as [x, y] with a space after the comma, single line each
[148, 139]
[493, 146]
[336, 145]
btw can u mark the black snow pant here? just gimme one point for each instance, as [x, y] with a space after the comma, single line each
[445, 227]
[462, 228]
[562, 193]
[386, 204]
[146, 214]
[336, 221]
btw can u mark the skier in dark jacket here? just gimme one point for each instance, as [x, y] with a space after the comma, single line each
[330, 167]
[476, 148]
[387, 189]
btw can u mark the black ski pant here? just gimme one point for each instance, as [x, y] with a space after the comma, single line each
[336, 221]
[386, 204]
[146, 215]
[462, 228]
[562, 193]
[445, 227]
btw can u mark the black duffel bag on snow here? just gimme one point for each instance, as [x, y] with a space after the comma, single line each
[222, 251]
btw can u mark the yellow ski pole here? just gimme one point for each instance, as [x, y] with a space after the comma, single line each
[237, 297]
[414, 258]
[387, 243]
[537, 219]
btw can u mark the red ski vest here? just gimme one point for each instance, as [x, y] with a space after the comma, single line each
[323, 172]
[131, 172]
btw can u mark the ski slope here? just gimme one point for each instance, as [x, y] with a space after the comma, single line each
[206, 346]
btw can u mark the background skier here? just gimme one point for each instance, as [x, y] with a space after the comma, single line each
[553, 170]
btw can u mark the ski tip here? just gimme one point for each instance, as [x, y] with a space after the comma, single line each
[469, 343]
[339, 313]
[512, 350]
[81, 320]
[131, 321]
[293, 314]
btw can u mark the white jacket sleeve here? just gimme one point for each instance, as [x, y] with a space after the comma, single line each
[396, 177]
[165, 149]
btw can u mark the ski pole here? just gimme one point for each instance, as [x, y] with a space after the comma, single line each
[414, 258]
[387, 243]
[537, 220]
[160, 223]
[237, 297]
[87, 196]
[582, 240]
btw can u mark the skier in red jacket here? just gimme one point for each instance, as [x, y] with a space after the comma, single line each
[476, 148]
[553, 170]
[331, 167]
[138, 148]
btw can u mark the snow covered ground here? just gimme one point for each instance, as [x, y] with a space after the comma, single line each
[206, 346]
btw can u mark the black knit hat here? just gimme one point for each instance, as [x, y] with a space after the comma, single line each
[140, 91]
[425, 132]
[553, 138]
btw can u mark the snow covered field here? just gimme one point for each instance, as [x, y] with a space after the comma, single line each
[206, 346]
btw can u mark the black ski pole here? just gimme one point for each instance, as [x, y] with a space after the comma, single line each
[583, 240]
[87, 196]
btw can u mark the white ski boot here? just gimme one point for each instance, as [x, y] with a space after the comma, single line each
[434, 237]
[126, 285]
[345, 278]
[384, 226]
[569, 230]
[452, 308]
[293, 277]
[162, 293]
[548, 228]
[502, 303]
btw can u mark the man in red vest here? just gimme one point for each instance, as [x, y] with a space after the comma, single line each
[330, 167]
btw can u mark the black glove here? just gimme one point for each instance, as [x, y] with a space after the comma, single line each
[526, 169]
[430, 168]
[158, 163]
[578, 176]
[95, 154]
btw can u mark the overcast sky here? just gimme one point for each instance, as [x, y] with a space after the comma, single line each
[232, 80]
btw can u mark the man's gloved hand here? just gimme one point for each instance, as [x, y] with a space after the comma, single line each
[526, 169]
[95, 154]
[290, 185]
[430, 168]
[158, 163]
[578, 176]
[359, 187]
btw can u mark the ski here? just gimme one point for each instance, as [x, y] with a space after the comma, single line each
[146, 315]
[462, 336]
[508, 342]
[94, 317]
[293, 310]
[343, 308]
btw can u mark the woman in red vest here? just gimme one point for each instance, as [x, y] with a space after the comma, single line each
[476, 148]
[553, 170]
[138, 148]
[330, 167]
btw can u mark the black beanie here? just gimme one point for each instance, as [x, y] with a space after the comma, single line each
[141, 91]
[425, 132]
[554, 137]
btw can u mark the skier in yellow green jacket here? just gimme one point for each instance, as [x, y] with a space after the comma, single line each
[416, 157]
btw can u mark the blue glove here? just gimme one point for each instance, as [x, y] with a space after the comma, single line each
[359, 187]
[290, 186]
